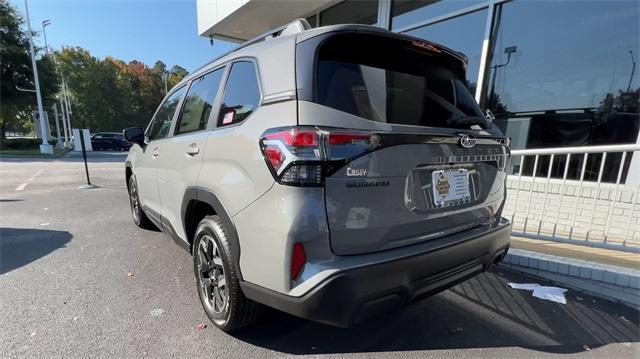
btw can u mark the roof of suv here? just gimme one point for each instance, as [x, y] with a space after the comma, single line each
[253, 47]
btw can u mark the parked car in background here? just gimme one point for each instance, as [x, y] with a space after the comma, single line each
[334, 173]
[109, 141]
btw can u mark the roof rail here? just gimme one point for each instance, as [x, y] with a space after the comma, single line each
[293, 27]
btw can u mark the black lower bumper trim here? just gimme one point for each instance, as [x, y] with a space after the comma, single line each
[354, 295]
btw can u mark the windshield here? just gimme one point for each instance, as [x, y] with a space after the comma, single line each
[394, 81]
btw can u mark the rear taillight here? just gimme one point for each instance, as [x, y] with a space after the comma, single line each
[303, 156]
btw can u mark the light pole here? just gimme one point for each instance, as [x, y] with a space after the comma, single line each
[66, 107]
[64, 123]
[46, 23]
[164, 76]
[509, 51]
[45, 147]
[55, 113]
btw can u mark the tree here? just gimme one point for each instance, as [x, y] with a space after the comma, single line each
[176, 74]
[106, 94]
[15, 71]
[110, 94]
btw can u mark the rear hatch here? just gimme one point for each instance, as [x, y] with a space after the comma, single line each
[412, 156]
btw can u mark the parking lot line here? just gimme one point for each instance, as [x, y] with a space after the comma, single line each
[25, 184]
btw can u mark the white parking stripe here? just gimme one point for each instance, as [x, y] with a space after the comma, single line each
[24, 185]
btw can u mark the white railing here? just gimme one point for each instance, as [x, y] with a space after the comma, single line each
[581, 195]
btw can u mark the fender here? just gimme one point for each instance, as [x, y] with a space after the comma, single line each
[207, 196]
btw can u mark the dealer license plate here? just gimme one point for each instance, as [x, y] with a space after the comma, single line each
[450, 186]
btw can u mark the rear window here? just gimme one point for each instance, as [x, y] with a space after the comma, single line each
[394, 81]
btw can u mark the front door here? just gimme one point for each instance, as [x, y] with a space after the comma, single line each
[146, 169]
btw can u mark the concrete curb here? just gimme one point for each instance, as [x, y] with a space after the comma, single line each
[606, 281]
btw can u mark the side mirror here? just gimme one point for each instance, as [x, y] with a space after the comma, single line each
[134, 135]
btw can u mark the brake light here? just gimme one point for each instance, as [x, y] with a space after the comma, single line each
[302, 156]
[298, 259]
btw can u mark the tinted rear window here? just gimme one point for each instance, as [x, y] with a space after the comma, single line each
[393, 81]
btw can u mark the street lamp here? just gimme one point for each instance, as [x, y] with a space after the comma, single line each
[164, 77]
[45, 23]
[45, 147]
[508, 50]
[65, 108]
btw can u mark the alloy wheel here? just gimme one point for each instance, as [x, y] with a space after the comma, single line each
[211, 276]
[133, 199]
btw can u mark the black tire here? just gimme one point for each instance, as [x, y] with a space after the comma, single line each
[225, 304]
[139, 217]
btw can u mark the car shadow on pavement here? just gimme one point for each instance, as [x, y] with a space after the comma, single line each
[480, 313]
[20, 246]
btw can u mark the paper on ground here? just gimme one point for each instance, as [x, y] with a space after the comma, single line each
[525, 286]
[553, 294]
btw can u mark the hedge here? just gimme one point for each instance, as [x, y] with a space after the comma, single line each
[22, 143]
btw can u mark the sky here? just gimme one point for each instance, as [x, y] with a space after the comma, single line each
[143, 30]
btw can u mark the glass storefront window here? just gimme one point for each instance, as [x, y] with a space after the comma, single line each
[407, 12]
[313, 20]
[562, 74]
[351, 12]
[464, 34]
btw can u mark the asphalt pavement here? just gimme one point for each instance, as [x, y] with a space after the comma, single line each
[79, 280]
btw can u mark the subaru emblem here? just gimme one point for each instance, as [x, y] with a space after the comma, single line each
[467, 141]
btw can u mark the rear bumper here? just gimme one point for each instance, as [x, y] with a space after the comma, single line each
[350, 296]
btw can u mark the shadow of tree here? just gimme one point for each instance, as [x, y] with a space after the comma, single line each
[21, 246]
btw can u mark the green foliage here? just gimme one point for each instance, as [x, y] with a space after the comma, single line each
[109, 94]
[15, 71]
[106, 94]
[22, 143]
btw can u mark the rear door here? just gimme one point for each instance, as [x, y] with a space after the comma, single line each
[182, 154]
[437, 165]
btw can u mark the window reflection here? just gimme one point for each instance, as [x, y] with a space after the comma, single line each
[558, 86]
[351, 12]
[464, 34]
[407, 12]
[573, 81]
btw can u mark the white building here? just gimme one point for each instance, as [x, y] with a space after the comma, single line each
[556, 74]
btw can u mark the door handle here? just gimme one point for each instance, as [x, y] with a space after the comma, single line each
[193, 149]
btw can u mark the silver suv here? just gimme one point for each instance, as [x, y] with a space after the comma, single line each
[332, 173]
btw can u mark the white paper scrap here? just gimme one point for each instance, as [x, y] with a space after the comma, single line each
[553, 294]
[525, 286]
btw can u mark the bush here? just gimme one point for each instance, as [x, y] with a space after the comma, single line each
[22, 143]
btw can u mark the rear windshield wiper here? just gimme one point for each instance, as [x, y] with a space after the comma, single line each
[458, 121]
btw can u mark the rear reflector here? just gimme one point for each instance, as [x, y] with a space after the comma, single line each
[298, 259]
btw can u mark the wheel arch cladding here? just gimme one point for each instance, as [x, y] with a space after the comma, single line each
[198, 203]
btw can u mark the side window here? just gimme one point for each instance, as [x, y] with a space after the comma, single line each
[198, 103]
[241, 94]
[161, 122]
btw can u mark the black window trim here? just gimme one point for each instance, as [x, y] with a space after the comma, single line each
[173, 119]
[215, 107]
[226, 79]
